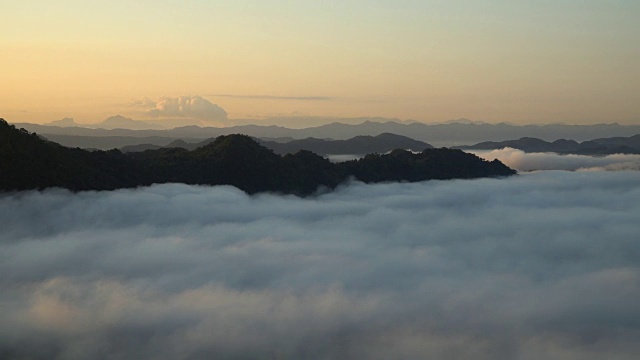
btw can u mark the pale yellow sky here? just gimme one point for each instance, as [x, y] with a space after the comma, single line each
[569, 61]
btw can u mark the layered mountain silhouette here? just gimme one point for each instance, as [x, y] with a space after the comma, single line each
[121, 122]
[66, 122]
[601, 146]
[359, 145]
[448, 134]
[110, 123]
[29, 162]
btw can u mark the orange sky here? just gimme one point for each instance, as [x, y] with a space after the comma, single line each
[561, 61]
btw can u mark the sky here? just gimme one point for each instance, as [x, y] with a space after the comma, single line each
[545, 267]
[523, 62]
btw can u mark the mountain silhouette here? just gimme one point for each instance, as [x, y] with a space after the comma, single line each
[359, 145]
[29, 162]
[66, 122]
[601, 146]
[121, 122]
[449, 134]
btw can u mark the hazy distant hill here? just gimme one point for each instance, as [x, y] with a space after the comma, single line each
[462, 134]
[111, 142]
[358, 145]
[110, 123]
[631, 141]
[437, 134]
[121, 122]
[66, 122]
[600, 146]
[173, 144]
[29, 162]
[179, 143]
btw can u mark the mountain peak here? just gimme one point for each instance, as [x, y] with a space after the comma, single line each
[121, 122]
[117, 117]
[66, 122]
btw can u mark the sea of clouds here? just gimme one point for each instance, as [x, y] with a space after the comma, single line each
[536, 266]
[526, 161]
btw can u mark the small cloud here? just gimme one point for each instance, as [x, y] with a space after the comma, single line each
[194, 107]
[144, 103]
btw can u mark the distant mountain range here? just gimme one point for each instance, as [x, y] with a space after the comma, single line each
[29, 162]
[450, 134]
[359, 145]
[600, 146]
[121, 122]
[66, 122]
[110, 123]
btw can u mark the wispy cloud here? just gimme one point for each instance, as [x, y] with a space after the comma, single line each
[273, 97]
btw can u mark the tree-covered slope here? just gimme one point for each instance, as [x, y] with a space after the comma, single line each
[29, 162]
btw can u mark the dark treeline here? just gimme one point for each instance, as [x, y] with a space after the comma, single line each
[29, 162]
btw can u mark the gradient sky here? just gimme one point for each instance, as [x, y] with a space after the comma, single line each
[552, 61]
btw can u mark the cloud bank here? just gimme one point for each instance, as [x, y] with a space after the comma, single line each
[522, 161]
[538, 266]
[195, 107]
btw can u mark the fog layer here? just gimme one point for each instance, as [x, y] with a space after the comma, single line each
[537, 266]
[523, 161]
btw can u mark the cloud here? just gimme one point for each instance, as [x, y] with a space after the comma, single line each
[522, 161]
[541, 265]
[195, 107]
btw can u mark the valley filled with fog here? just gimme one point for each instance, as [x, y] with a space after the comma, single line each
[523, 161]
[320, 180]
[538, 265]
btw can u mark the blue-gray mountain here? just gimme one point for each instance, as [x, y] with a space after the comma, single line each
[450, 134]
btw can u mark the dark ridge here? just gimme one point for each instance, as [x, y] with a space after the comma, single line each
[29, 162]
[359, 145]
[142, 147]
[440, 164]
[602, 146]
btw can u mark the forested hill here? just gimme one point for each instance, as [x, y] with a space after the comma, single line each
[29, 162]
